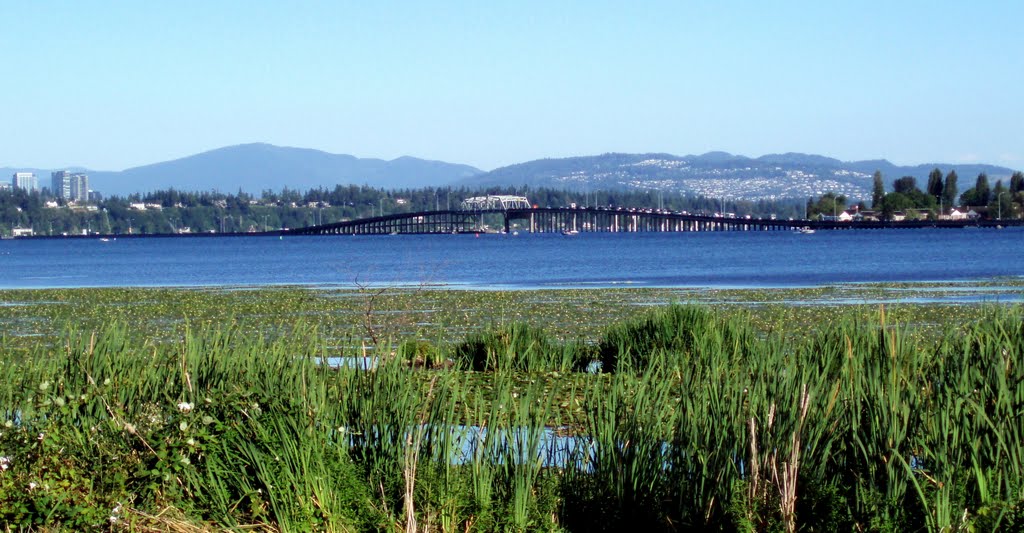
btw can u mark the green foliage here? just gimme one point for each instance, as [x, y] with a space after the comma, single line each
[949, 189]
[52, 474]
[899, 202]
[272, 466]
[979, 195]
[171, 210]
[678, 333]
[935, 185]
[829, 204]
[905, 185]
[518, 347]
[982, 191]
[704, 423]
[1003, 203]
[877, 190]
[419, 352]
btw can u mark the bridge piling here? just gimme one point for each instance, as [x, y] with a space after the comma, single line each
[553, 220]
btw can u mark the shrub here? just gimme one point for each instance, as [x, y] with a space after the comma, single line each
[517, 347]
[678, 331]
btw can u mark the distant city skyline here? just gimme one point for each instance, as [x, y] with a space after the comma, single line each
[109, 87]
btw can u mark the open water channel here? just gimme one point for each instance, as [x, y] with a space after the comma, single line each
[525, 261]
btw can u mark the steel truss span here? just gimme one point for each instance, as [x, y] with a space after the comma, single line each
[495, 202]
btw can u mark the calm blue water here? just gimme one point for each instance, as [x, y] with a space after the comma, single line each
[728, 259]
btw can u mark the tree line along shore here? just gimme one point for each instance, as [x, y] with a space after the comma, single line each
[171, 211]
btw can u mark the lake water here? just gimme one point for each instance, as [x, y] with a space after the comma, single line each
[724, 259]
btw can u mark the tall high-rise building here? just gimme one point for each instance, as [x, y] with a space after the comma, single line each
[60, 184]
[70, 187]
[26, 181]
[80, 188]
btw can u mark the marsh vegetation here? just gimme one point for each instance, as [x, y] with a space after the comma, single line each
[188, 410]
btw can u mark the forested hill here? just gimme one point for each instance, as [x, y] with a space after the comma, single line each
[258, 167]
[254, 168]
[719, 174]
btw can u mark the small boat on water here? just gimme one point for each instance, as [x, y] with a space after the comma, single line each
[570, 232]
[804, 230]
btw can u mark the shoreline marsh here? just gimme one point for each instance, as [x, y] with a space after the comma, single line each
[209, 408]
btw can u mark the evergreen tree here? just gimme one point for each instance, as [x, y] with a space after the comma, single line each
[1017, 190]
[968, 198]
[905, 185]
[879, 190]
[999, 189]
[982, 192]
[1002, 204]
[1017, 182]
[935, 184]
[949, 189]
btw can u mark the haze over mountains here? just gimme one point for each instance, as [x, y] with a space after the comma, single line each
[254, 168]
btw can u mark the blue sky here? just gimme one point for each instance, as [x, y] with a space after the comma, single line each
[111, 85]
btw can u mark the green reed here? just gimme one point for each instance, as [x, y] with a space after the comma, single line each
[698, 422]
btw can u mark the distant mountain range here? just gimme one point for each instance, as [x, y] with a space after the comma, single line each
[257, 167]
[723, 175]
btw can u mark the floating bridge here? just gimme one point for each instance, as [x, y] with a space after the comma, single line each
[506, 214]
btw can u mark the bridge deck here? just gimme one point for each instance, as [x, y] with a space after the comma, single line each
[555, 220]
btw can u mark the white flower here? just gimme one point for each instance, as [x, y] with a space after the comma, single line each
[44, 385]
[32, 485]
[115, 513]
[41, 435]
[5, 462]
[185, 407]
[191, 442]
